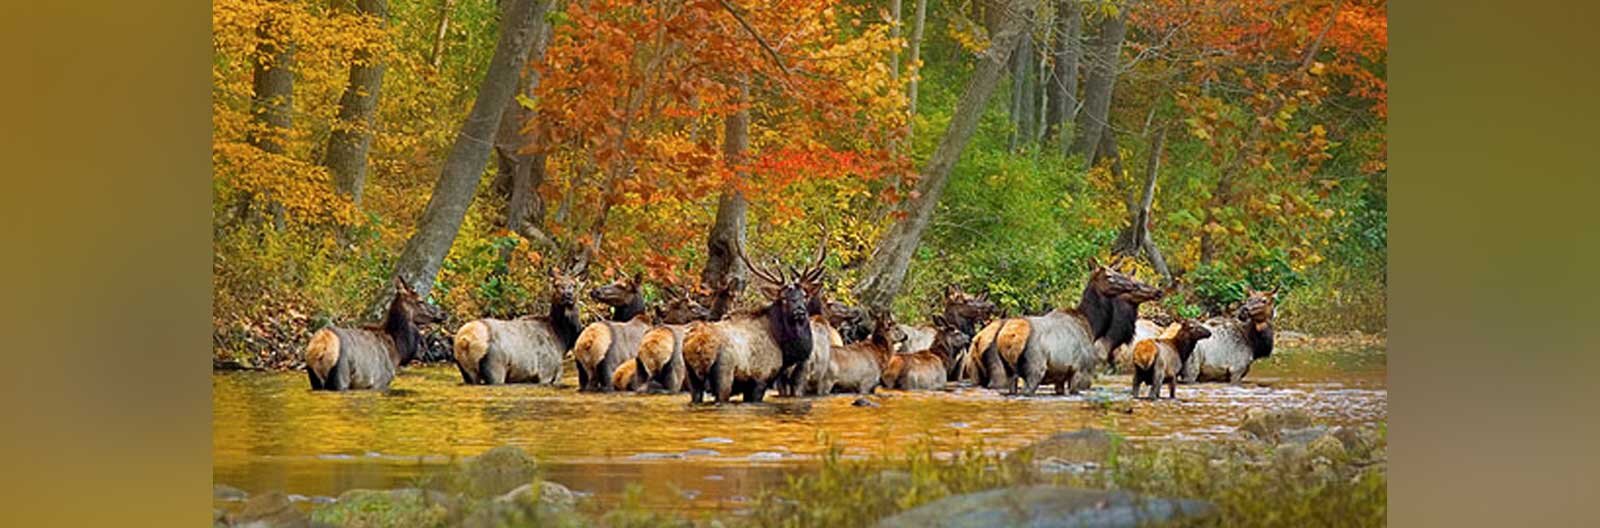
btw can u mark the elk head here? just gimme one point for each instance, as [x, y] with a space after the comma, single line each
[620, 292]
[790, 295]
[1186, 335]
[950, 339]
[564, 285]
[885, 331]
[410, 306]
[1259, 307]
[973, 309]
[1108, 282]
[681, 308]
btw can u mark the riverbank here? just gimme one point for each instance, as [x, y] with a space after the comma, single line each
[1275, 467]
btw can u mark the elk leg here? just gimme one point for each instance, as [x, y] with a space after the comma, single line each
[755, 392]
[583, 377]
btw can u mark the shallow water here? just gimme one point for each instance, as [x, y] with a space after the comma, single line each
[270, 432]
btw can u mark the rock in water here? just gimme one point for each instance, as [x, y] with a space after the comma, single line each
[864, 402]
[498, 471]
[1050, 506]
[270, 510]
[397, 507]
[224, 492]
[1083, 445]
[1266, 425]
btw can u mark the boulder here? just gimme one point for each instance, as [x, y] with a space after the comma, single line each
[1083, 445]
[224, 492]
[270, 510]
[1328, 447]
[1268, 425]
[536, 504]
[363, 508]
[498, 471]
[543, 494]
[1050, 506]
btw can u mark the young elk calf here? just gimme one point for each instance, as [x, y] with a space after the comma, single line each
[1158, 360]
[858, 367]
[930, 368]
[605, 345]
[341, 358]
[524, 350]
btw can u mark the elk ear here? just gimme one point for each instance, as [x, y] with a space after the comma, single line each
[940, 322]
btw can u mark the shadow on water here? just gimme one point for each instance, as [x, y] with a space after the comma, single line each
[270, 432]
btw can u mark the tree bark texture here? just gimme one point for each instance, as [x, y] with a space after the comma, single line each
[886, 271]
[916, 55]
[1063, 85]
[1021, 92]
[1135, 238]
[351, 140]
[520, 156]
[272, 86]
[728, 233]
[894, 33]
[458, 181]
[1093, 119]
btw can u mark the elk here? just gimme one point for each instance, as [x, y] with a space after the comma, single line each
[1235, 342]
[1065, 346]
[1122, 358]
[814, 375]
[524, 350]
[961, 309]
[747, 352]
[1157, 360]
[605, 345]
[859, 367]
[659, 365]
[341, 358]
[929, 368]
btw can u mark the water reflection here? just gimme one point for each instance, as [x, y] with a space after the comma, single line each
[270, 433]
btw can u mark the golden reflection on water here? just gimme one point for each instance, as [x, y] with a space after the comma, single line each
[270, 432]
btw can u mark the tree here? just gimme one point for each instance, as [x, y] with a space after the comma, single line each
[520, 152]
[346, 156]
[727, 231]
[1095, 118]
[1135, 237]
[441, 220]
[1063, 85]
[886, 271]
[915, 64]
[1022, 82]
[272, 96]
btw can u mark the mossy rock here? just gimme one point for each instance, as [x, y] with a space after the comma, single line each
[1047, 506]
[498, 471]
[537, 504]
[387, 508]
[1268, 425]
[1083, 445]
[270, 510]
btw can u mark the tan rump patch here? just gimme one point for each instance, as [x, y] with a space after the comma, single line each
[655, 349]
[700, 346]
[1013, 337]
[322, 352]
[471, 344]
[622, 379]
[592, 345]
[1144, 354]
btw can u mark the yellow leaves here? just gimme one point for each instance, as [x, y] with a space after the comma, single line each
[1317, 68]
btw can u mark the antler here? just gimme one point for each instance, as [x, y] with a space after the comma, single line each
[813, 273]
[761, 273]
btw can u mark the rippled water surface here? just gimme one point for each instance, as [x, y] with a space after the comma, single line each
[270, 432]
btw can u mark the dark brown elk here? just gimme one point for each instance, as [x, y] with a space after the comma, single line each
[659, 366]
[605, 345]
[524, 350]
[748, 351]
[1064, 347]
[341, 358]
[963, 310]
[1157, 360]
[814, 375]
[930, 368]
[858, 367]
[1236, 342]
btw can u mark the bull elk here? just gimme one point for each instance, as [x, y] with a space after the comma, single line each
[749, 351]
[524, 350]
[1235, 342]
[1065, 346]
[341, 358]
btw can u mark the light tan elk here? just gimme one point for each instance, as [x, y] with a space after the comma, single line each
[929, 368]
[858, 367]
[524, 350]
[341, 358]
[1065, 346]
[1157, 360]
[659, 365]
[748, 351]
[1235, 343]
[605, 345]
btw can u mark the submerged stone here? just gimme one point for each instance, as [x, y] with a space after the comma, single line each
[1049, 506]
[498, 471]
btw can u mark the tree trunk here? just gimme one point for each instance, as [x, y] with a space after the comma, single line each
[1021, 94]
[894, 34]
[437, 54]
[346, 156]
[520, 156]
[1092, 121]
[1135, 238]
[915, 64]
[727, 234]
[886, 271]
[441, 220]
[272, 100]
[1063, 86]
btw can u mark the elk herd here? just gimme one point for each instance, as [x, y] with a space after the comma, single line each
[799, 343]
